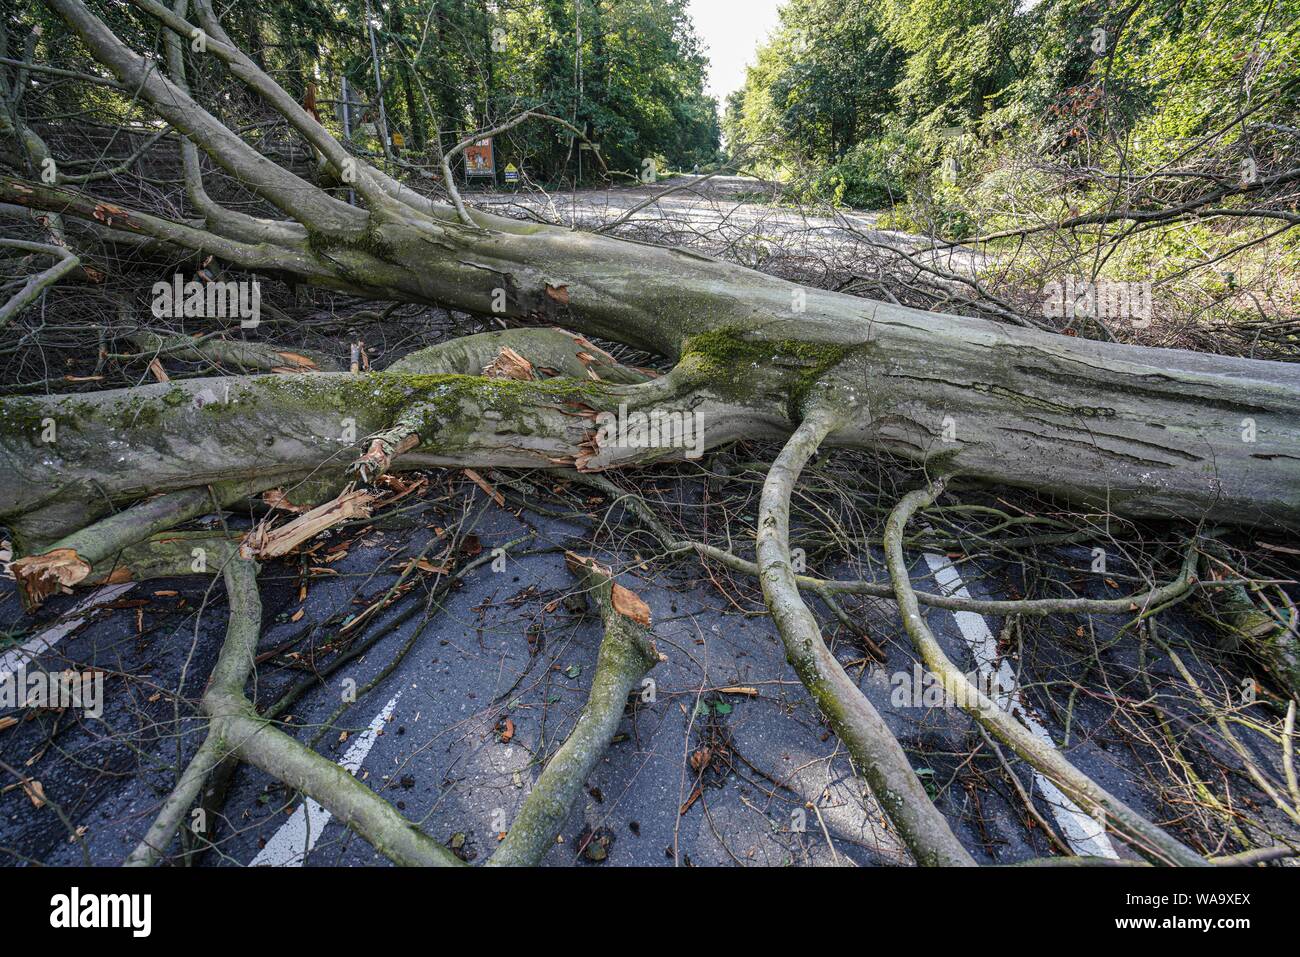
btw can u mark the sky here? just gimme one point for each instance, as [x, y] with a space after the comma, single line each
[731, 31]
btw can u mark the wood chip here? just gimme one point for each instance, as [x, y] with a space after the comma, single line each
[509, 364]
[295, 362]
[482, 483]
[629, 605]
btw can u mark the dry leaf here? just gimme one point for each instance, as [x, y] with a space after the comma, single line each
[275, 498]
[35, 792]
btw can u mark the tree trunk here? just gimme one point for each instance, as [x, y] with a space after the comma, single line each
[1140, 431]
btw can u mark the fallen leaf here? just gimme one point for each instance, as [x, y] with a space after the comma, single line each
[35, 792]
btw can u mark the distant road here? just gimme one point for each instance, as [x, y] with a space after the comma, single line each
[717, 212]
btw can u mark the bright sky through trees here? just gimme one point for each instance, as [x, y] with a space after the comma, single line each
[731, 31]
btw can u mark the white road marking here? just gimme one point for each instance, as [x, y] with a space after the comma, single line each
[15, 658]
[291, 844]
[1081, 831]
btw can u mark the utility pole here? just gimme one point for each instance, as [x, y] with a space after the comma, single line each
[379, 82]
[577, 69]
[346, 92]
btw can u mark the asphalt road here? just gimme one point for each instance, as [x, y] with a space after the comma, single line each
[508, 646]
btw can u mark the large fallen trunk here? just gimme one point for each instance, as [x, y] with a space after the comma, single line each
[1139, 431]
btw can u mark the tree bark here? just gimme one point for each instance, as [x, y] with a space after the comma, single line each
[1139, 431]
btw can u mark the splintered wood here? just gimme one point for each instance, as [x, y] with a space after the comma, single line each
[625, 601]
[509, 364]
[264, 542]
[40, 576]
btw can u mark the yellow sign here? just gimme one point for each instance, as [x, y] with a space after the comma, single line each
[399, 140]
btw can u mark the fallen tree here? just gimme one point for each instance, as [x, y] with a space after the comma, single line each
[1139, 432]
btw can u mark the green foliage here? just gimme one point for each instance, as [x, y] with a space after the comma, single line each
[870, 101]
[630, 73]
[821, 85]
[873, 173]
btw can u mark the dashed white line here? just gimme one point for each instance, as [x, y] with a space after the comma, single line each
[13, 659]
[291, 844]
[1085, 835]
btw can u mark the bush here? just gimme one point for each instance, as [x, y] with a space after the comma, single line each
[871, 174]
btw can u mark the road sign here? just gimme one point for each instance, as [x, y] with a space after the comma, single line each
[512, 173]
